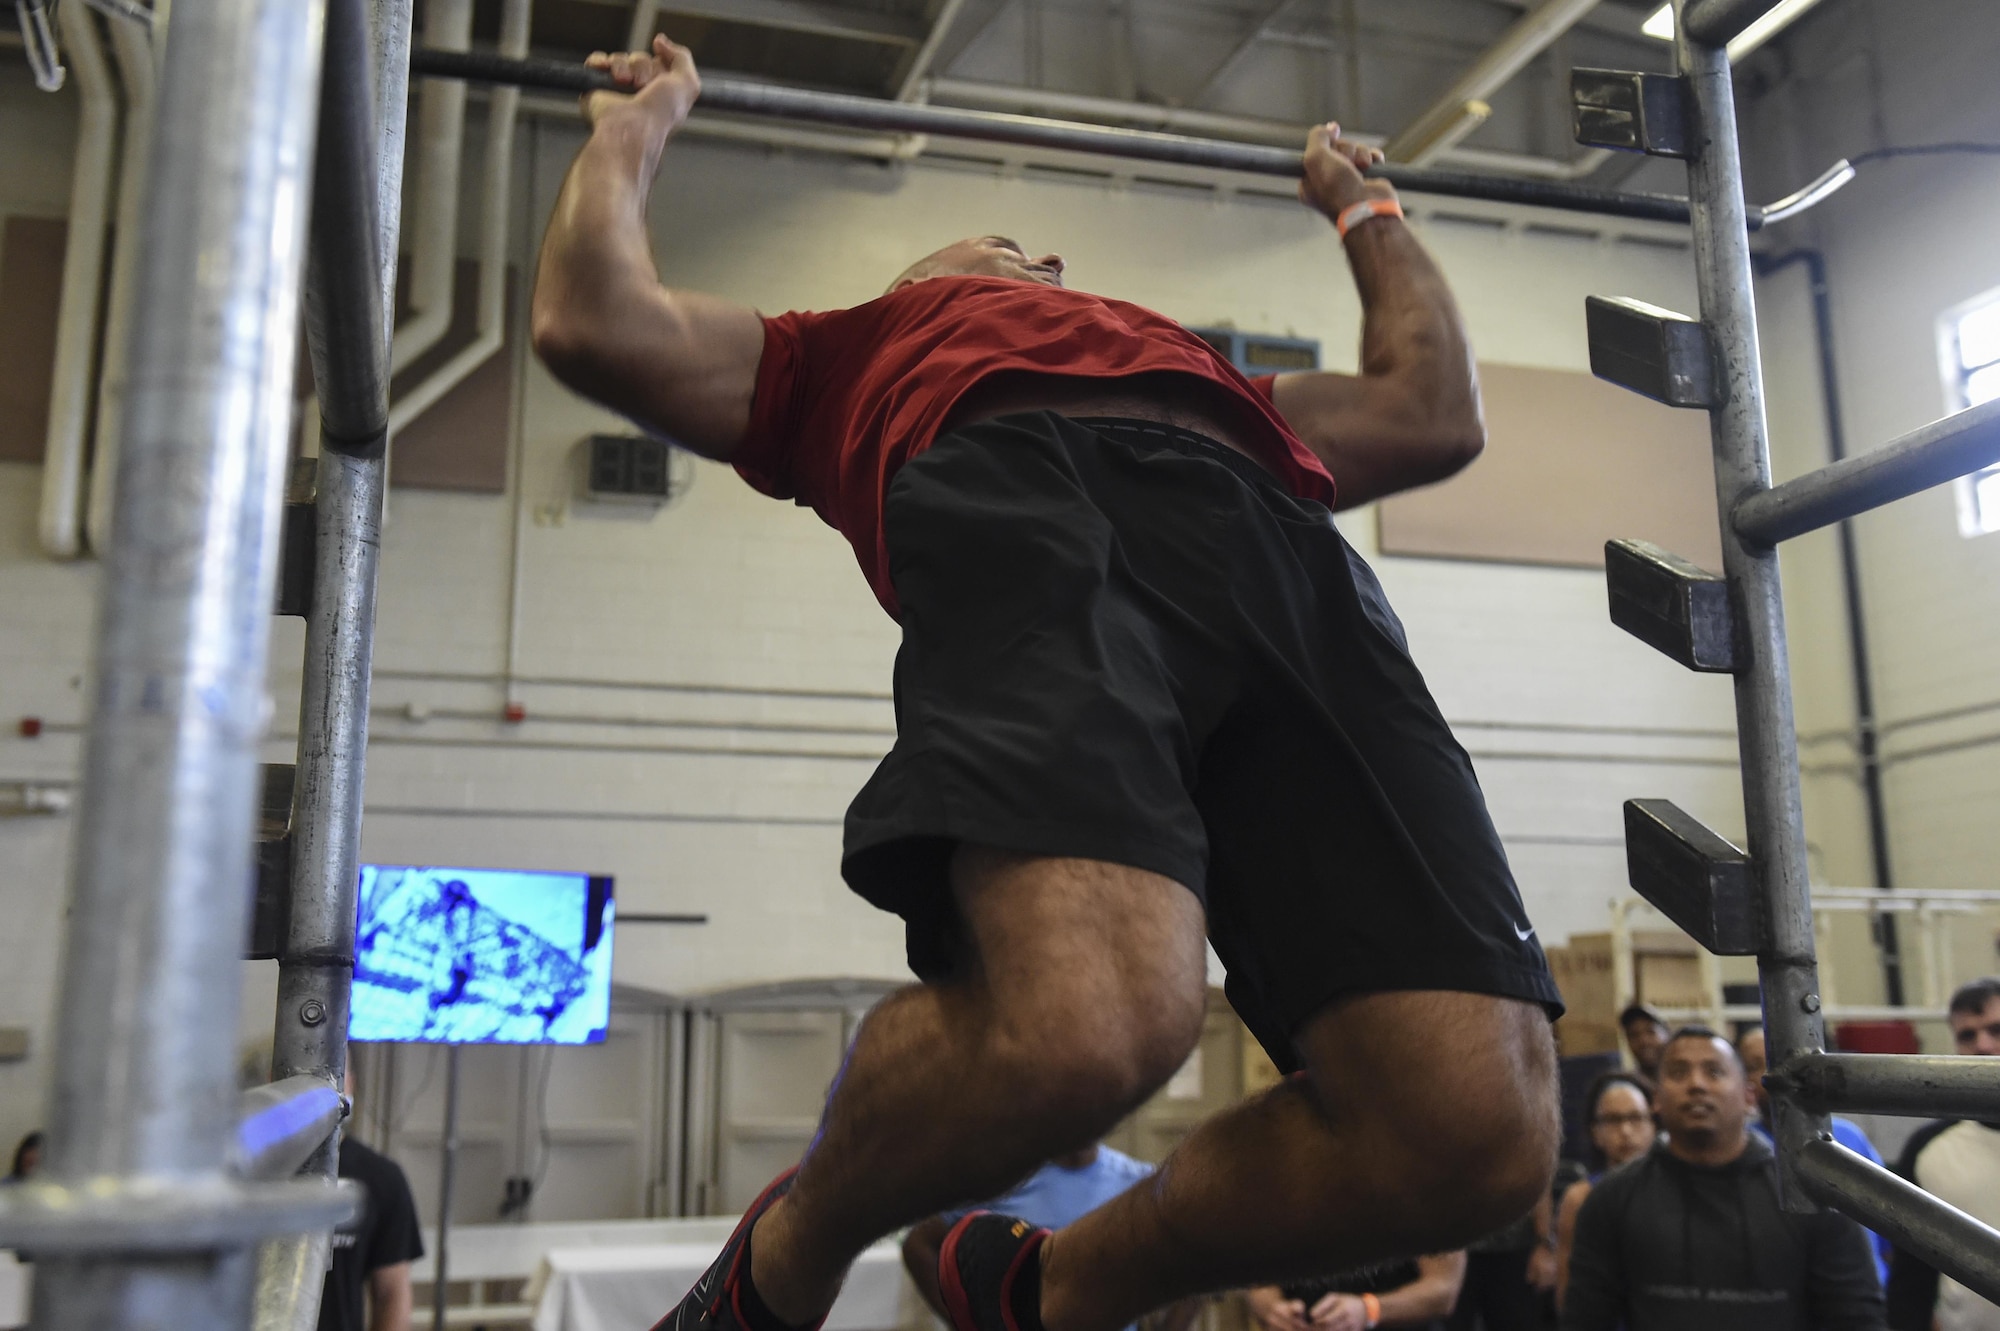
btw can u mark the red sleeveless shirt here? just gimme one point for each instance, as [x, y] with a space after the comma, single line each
[845, 398]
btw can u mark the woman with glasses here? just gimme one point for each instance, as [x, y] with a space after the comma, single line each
[1619, 1109]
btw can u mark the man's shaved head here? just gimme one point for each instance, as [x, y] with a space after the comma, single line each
[983, 256]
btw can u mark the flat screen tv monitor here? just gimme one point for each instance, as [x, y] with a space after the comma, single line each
[481, 956]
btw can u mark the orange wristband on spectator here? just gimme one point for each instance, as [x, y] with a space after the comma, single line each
[1356, 213]
[1369, 1303]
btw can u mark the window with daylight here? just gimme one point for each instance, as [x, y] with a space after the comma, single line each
[1969, 348]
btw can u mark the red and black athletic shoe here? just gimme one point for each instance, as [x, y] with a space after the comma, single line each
[716, 1301]
[990, 1273]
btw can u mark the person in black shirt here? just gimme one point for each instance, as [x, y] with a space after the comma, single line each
[372, 1252]
[1690, 1236]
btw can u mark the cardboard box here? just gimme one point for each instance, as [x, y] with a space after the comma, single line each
[1666, 970]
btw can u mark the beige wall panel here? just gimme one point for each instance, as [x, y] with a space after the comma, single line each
[1570, 463]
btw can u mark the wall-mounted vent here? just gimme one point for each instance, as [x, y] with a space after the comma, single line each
[1261, 353]
[632, 469]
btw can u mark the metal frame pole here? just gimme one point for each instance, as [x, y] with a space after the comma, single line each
[1767, 735]
[351, 276]
[350, 289]
[447, 1169]
[139, 1225]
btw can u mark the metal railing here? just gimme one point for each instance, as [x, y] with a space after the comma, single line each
[166, 1201]
[1719, 894]
[158, 1194]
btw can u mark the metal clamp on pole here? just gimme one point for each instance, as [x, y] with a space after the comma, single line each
[1670, 604]
[1693, 877]
[1655, 352]
[1631, 112]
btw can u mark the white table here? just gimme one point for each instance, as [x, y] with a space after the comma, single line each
[629, 1288]
[15, 1278]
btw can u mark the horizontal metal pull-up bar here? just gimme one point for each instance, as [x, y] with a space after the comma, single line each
[1941, 451]
[742, 97]
[1916, 1222]
[1916, 1085]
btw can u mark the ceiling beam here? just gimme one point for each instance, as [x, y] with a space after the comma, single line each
[913, 73]
[1242, 48]
[1462, 107]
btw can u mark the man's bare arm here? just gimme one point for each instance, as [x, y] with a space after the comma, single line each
[680, 363]
[1432, 1295]
[390, 1301]
[1411, 416]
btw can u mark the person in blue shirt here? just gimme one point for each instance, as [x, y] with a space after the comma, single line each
[1063, 1190]
[1750, 1048]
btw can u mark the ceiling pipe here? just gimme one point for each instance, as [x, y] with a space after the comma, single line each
[645, 22]
[1445, 122]
[136, 47]
[440, 143]
[495, 195]
[61, 517]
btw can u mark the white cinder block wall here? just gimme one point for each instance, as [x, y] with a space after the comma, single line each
[729, 624]
[1908, 240]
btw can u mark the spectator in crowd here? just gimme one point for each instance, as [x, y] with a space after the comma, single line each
[1053, 1196]
[27, 1157]
[1750, 1048]
[1691, 1237]
[1958, 1160]
[372, 1253]
[1500, 1292]
[1417, 1294]
[1618, 1108]
[1646, 1037]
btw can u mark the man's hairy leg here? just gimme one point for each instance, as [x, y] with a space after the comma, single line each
[1424, 1120]
[1083, 991]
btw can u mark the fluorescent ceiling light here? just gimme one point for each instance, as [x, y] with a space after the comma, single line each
[1774, 21]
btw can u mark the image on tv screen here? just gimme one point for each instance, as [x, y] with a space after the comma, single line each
[481, 956]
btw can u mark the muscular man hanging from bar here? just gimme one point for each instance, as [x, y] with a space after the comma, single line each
[1146, 693]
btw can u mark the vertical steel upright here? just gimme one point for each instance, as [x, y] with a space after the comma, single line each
[1766, 733]
[349, 299]
[138, 1224]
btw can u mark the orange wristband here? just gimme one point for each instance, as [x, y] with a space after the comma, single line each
[1369, 1303]
[1356, 213]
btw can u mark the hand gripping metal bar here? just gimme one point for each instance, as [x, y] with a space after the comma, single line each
[763, 99]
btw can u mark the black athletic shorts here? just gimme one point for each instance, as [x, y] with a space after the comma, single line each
[1126, 642]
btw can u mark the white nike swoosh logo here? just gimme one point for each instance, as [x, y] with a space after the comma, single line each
[1524, 934]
